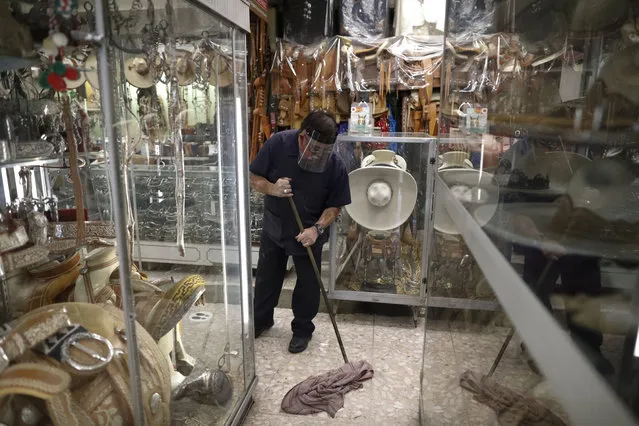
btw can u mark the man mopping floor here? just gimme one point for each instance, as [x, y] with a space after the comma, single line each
[298, 163]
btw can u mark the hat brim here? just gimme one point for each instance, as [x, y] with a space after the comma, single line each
[390, 216]
[471, 178]
[136, 79]
[91, 71]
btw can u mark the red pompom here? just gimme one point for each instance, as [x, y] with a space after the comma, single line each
[56, 82]
[71, 74]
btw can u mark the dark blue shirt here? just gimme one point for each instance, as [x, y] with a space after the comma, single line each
[313, 192]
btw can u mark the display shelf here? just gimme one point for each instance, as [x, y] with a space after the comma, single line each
[582, 137]
[196, 254]
[30, 162]
[395, 137]
[391, 269]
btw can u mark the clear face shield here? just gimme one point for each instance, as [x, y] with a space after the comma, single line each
[314, 151]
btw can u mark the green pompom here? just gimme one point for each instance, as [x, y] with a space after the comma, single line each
[59, 68]
[43, 80]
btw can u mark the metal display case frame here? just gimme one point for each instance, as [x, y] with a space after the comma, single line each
[429, 147]
[585, 396]
[234, 14]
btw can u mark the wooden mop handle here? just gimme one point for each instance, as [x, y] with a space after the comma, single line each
[329, 306]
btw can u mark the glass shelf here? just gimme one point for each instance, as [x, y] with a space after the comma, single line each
[29, 162]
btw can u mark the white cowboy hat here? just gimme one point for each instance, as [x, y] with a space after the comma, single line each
[474, 188]
[383, 197]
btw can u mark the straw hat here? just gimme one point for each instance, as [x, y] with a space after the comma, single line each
[91, 71]
[138, 72]
[224, 77]
[185, 71]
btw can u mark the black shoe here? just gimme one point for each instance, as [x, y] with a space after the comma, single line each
[298, 344]
[259, 329]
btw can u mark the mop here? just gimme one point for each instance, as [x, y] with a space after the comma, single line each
[325, 392]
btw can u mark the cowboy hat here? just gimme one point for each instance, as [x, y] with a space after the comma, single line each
[138, 72]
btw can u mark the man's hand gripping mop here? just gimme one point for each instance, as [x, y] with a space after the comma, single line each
[325, 392]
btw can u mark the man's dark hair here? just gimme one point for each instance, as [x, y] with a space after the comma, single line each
[322, 124]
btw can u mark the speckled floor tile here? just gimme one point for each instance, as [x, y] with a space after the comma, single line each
[487, 343]
[513, 373]
[396, 389]
[256, 419]
[442, 398]
[400, 339]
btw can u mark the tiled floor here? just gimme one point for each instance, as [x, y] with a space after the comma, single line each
[391, 345]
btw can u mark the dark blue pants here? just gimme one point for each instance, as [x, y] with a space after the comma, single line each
[579, 275]
[269, 278]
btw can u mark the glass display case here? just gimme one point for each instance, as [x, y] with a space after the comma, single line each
[109, 114]
[181, 116]
[378, 249]
[153, 200]
[535, 227]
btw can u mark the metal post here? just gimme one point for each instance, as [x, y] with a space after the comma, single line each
[119, 210]
[241, 145]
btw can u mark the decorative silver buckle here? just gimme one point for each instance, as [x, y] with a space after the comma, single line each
[60, 347]
[74, 342]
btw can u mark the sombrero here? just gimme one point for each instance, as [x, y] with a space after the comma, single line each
[221, 72]
[138, 72]
[91, 71]
[185, 71]
[455, 160]
[596, 219]
[474, 188]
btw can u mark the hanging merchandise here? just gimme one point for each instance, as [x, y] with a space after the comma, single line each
[361, 121]
[364, 18]
[307, 22]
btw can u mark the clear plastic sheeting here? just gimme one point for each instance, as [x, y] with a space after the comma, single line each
[420, 17]
[555, 85]
[472, 17]
[320, 76]
[364, 18]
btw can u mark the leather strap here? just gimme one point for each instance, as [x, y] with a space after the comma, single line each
[47, 383]
[75, 173]
[47, 293]
[24, 258]
[56, 269]
[30, 332]
[169, 310]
